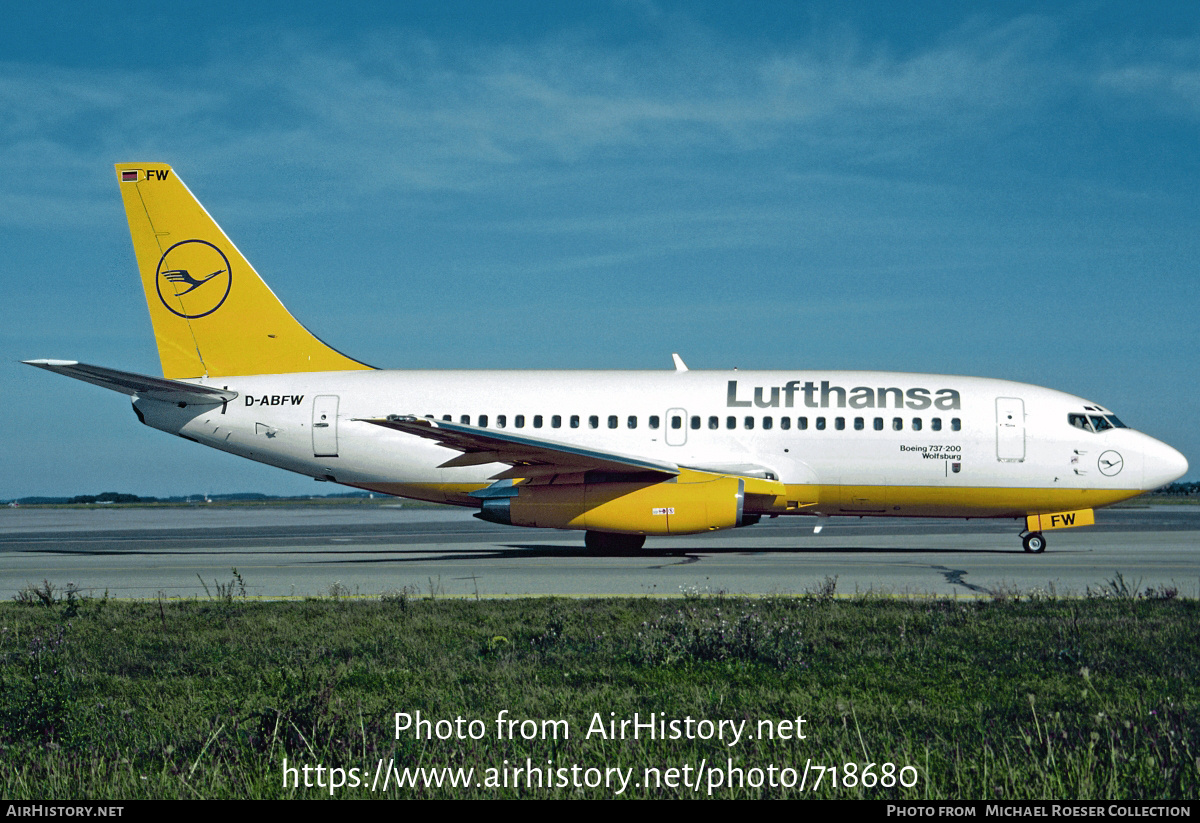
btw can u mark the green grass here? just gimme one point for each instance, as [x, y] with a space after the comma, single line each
[1017, 699]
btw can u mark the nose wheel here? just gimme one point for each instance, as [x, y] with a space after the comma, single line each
[1034, 543]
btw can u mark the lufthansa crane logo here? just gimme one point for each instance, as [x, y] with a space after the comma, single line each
[1110, 463]
[193, 278]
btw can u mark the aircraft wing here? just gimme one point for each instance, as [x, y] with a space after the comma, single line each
[528, 456]
[139, 385]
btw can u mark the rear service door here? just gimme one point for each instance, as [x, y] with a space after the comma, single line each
[324, 425]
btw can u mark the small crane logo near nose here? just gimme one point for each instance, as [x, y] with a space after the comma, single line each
[1110, 463]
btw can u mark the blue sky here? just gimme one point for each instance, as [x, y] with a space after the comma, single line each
[1012, 192]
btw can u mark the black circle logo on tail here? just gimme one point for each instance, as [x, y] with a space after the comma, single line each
[193, 278]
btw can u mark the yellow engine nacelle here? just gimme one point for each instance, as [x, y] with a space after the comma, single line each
[690, 503]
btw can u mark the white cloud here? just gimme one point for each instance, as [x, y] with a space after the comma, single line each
[397, 111]
[1168, 88]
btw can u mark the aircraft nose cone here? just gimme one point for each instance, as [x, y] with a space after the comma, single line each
[1163, 465]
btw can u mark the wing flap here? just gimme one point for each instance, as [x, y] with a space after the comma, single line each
[138, 385]
[528, 456]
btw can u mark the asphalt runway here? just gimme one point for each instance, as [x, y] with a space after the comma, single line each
[283, 551]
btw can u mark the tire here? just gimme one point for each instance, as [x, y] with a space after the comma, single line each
[1034, 543]
[608, 543]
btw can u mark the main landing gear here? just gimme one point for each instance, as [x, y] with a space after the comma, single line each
[1034, 542]
[609, 543]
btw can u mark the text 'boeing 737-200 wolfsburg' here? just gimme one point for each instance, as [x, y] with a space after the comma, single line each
[618, 455]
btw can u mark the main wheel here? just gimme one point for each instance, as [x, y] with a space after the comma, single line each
[609, 543]
[1034, 543]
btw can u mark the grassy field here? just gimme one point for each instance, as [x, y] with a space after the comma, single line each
[1014, 698]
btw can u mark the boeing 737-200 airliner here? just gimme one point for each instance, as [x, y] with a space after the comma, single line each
[619, 455]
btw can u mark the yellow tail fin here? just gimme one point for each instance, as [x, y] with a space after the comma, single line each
[213, 315]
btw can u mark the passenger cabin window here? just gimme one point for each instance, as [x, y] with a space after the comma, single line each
[802, 423]
[955, 424]
[676, 421]
[785, 423]
[465, 420]
[695, 421]
[936, 424]
[916, 424]
[519, 421]
[612, 421]
[654, 421]
[556, 421]
[594, 421]
[820, 424]
[574, 421]
[714, 422]
[731, 422]
[839, 423]
[749, 421]
[632, 422]
[860, 424]
[897, 424]
[483, 421]
[501, 420]
[537, 421]
[768, 422]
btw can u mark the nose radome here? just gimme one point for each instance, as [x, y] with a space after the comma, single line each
[1163, 464]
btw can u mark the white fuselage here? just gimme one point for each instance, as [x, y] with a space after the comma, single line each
[841, 442]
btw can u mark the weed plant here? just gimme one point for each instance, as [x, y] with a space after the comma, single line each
[1015, 698]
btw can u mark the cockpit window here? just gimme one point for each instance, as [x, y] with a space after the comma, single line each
[1095, 422]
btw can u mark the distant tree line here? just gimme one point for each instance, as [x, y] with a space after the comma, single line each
[110, 497]
[1180, 488]
[120, 497]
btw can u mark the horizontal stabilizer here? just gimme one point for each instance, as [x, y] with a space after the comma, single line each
[139, 385]
[529, 456]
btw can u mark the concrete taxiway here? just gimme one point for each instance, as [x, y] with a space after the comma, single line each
[282, 551]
